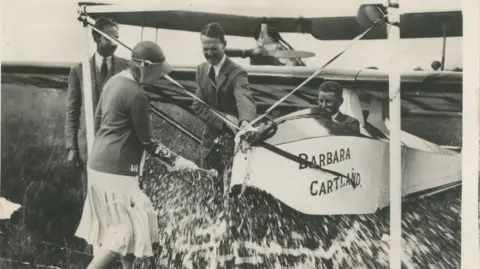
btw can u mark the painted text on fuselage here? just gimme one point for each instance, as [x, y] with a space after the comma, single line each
[332, 185]
[328, 158]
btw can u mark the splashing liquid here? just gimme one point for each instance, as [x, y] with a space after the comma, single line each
[202, 229]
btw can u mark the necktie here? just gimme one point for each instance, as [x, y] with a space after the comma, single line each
[212, 76]
[104, 69]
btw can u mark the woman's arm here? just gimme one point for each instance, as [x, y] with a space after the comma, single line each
[140, 113]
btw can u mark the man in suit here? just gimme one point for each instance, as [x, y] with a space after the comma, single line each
[223, 85]
[329, 101]
[103, 65]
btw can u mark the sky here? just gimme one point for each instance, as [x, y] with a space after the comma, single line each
[48, 31]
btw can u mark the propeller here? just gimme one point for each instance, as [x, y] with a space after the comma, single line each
[293, 54]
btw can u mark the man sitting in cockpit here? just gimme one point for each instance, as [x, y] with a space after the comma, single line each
[329, 101]
[268, 41]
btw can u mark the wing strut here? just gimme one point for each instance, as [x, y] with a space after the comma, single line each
[168, 119]
[444, 44]
[395, 188]
[87, 92]
[470, 139]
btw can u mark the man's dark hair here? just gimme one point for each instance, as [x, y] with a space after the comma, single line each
[214, 30]
[101, 24]
[332, 86]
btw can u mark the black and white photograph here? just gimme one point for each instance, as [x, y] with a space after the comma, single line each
[220, 134]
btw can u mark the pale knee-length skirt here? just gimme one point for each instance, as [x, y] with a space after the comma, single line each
[118, 215]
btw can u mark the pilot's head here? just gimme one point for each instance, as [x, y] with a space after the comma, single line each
[105, 47]
[330, 97]
[213, 42]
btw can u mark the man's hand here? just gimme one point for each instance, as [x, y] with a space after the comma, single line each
[73, 158]
[234, 120]
[244, 144]
[244, 124]
[249, 133]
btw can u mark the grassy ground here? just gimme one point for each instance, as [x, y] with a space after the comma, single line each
[34, 174]
[264, 232]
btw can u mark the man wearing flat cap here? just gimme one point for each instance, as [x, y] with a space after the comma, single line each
[329, 101]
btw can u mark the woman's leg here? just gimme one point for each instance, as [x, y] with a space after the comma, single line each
[127, 261]
[102, 259]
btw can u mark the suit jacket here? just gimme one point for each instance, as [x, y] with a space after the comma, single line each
[232, 95]
[341, 119]
[75, 129]
[348, 121]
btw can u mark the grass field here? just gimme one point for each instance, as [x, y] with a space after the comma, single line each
[264, 234]
[34, 169]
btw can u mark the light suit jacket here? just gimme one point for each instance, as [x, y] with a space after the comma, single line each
[231, 96]
[75, 131]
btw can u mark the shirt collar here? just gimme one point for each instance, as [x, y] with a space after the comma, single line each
[99, 60]
[218, 66]
[334, 116]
